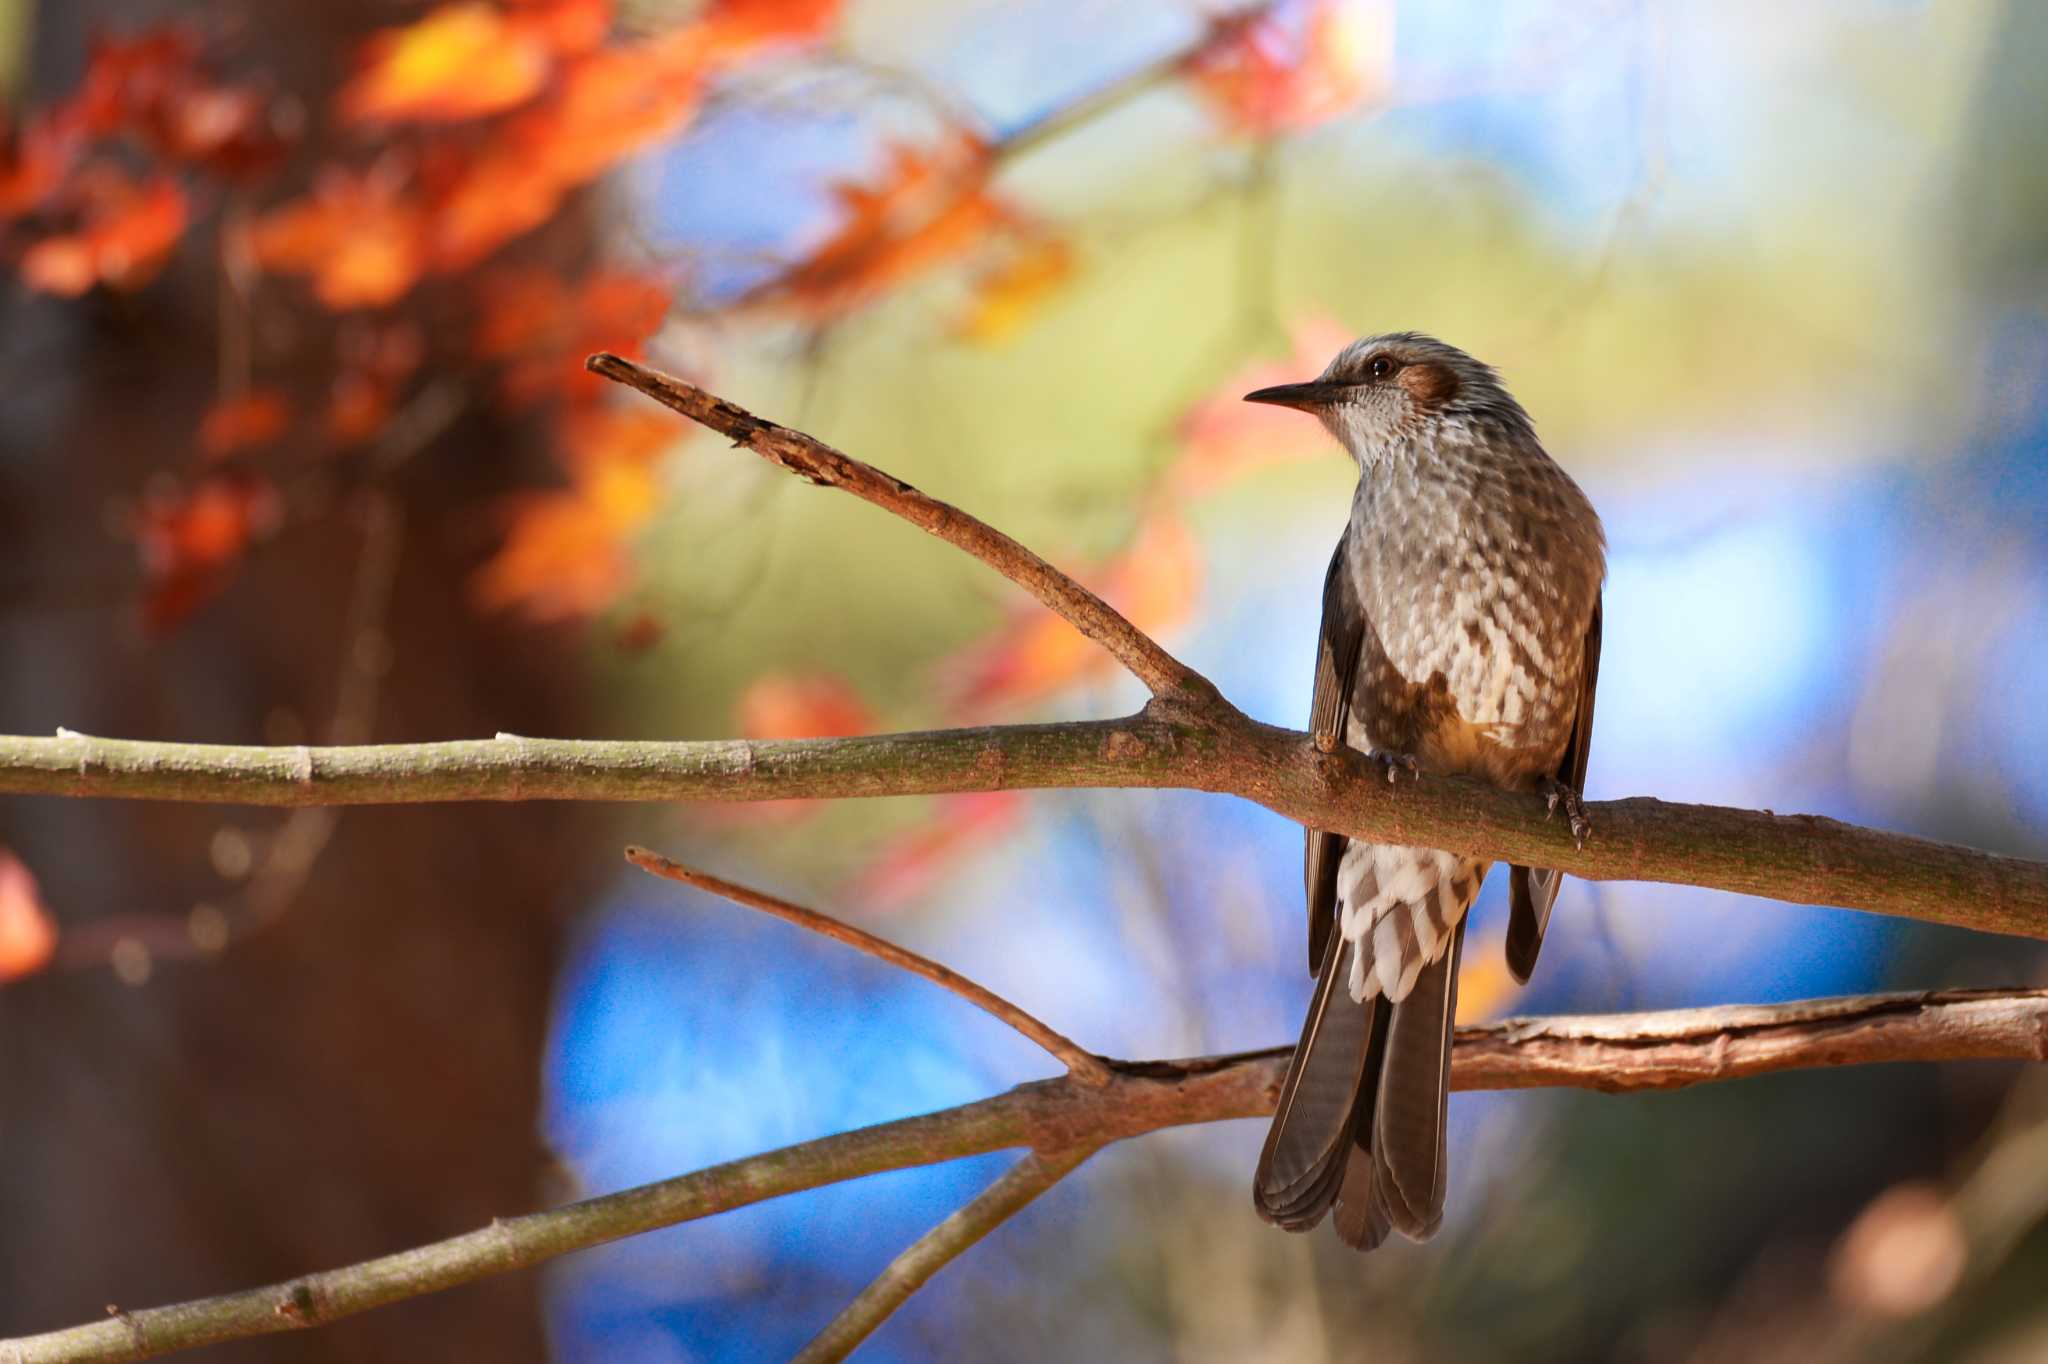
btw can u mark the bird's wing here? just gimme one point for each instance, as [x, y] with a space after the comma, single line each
[1533, 890]
[1343, 629]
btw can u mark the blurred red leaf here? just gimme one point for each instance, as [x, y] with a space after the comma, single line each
[540, 328]
[1296, 65]
[256, 417]
[639, 634]
[152, 87]
[123, 231]
[127, 76]
[1155, 583]
[812, 706]
[912, 863]
[189, 541]
[1223, 437]
[461, 61]
[34, 160]
[928, 207]
[358, 235]
[375, 364]
[28, 935]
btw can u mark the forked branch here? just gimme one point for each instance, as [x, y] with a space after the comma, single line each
[1079, 1061]
[1615, 1053]
[810, 458]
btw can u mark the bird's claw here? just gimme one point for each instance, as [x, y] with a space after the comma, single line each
[1394, 764]
[1556, 793]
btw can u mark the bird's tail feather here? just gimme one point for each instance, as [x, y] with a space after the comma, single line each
[1415, 1079]
[1325, 1101]
[1531, 893]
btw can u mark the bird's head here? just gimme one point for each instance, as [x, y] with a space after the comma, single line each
[1385, 392]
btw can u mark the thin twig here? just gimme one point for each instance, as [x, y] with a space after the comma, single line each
[812, 459]
[937, 1248]
[1081, 1063]
[1613, 1053]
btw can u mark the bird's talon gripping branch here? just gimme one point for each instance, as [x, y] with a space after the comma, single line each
[1394, 764]
[1556, 793]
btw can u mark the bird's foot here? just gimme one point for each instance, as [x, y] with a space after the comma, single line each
[1394, 764]
[1556, 793]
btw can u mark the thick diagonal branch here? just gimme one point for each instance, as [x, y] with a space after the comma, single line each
[1614, 1053]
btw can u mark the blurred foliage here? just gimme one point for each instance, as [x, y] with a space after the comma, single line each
[1770, 278]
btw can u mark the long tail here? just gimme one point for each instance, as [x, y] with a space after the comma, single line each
[1360, 1122]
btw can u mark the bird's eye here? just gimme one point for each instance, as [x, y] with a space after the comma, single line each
[1380, 367]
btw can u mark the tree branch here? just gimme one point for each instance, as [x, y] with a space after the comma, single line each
[1189, 736]
[1079, 1061]
[1614, 1053]
[811, 459]
[936, 1249]
[1805, 859]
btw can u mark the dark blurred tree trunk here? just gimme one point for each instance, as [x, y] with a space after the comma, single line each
[363, 1074]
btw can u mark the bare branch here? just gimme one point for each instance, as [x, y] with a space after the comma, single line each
[1081, 1063]
[812, 459]
[936, 1249]
[1614, 1053]
[1805, 859]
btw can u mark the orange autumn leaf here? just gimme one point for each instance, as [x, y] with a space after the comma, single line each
[28, 935]
[636, 435]
[1223, 437]
[912, 863]
[461, 61]
[568, 27]
[254, 418]
[123, 232]
[189, 541]
[739, 26]
[928, 207]
[1155, 583]
[810, 706]
[540, 328]
[1006, 297]
[358, 235]
[565, 553]
[1297, 64]
[606, 106]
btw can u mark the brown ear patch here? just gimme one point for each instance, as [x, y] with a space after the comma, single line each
[1429, 384]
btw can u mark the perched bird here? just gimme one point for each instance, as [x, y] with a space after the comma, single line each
[1460, 634]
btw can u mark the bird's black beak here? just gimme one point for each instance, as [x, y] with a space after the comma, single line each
[1307, 397]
